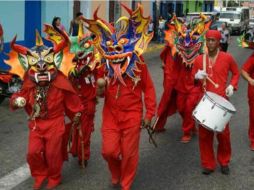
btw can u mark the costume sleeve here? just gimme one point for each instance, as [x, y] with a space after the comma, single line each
[235, 73]
[72, 102]
[248, 66]
[149, 93]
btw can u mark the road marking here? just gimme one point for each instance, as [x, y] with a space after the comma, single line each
[14, 178]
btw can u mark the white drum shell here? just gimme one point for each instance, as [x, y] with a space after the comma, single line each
[212, 115]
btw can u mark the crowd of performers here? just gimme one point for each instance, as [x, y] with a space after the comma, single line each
[66, 80]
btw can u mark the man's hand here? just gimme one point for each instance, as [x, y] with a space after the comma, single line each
[229, 90]
[19, 102]
[101, 83]
[201, 74]
[146, 123]
[251, 82]
[76, 118]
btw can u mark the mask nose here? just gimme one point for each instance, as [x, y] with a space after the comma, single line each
[41, 66]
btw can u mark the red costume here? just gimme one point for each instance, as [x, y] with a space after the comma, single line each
[249, 68]
[85, 87]
[122, 115]
[218, 72]
[46, 131]
[180, 93]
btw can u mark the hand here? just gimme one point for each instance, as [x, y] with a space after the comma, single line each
[19, 102]
[76, 118]
[229, 90]
[146, 123]
[201, 74]
[251, 82]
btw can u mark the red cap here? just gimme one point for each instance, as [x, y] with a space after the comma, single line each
[213, 34]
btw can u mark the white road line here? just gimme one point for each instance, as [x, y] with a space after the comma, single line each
[14, 178]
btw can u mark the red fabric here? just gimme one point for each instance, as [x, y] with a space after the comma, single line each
[1, 31]
[185, 105]
[213, 34]
[206, 145]
[120, 148]
[87, 93]
[248, 66]
[177, 79]
[219, 74]
[224, 64]
[122, 114]
[251, 121]
[45, 137]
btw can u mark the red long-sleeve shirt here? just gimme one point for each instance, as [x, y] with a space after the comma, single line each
[60, 95]
[125, 102]
[219, 72]
[248, 67]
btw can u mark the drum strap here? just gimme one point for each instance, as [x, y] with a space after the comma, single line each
[204, 69]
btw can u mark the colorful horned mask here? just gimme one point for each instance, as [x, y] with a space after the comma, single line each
[123, 44]
[246, 40]
[86, 55]
[41, 63]
[187, 39]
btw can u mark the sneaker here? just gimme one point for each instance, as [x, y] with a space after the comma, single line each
[224, 170]
[252, 146]
[186, 138]
[38, 182]
[207, 171]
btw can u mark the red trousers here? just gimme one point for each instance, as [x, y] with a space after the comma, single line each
[185, 105]
[45, 150]
[87, 127]
[251, 121]
[120, 148]
[206, 146]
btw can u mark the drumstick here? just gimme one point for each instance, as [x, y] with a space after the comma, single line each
[211, 81]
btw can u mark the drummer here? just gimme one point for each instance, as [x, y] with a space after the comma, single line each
[218, 64]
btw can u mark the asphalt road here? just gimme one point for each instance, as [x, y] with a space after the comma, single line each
[171, 166]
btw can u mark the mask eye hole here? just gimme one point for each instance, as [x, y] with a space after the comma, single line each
[49, 58]
[108, 43]
[87, 45]
[123, 41]
[32, 60]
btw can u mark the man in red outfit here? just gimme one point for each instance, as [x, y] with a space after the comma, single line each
[248, 75]
[180, 94]
[45, 94]
[218, 66]
[127, 80]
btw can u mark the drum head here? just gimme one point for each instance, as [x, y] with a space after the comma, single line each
[220, 101]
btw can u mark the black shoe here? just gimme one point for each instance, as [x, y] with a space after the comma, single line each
[207, 171]
[224, 170]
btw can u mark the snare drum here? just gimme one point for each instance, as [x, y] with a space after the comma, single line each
[213, 112]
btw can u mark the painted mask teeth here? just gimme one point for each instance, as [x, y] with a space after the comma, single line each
[36, 77]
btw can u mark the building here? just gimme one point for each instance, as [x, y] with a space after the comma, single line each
[23, 17]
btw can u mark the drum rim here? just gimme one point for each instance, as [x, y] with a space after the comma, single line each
[208, 128]
[226, 109]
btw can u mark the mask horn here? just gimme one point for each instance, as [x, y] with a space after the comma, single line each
[18, 48]
[39, 41]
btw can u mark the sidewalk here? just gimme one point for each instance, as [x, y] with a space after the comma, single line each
[154, 46]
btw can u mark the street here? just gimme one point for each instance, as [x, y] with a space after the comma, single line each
[171, 166]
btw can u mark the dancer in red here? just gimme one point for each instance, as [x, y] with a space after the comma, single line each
[180, 94]
[218, 66]
[127, 79]
[44, 95]
[248, 75]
